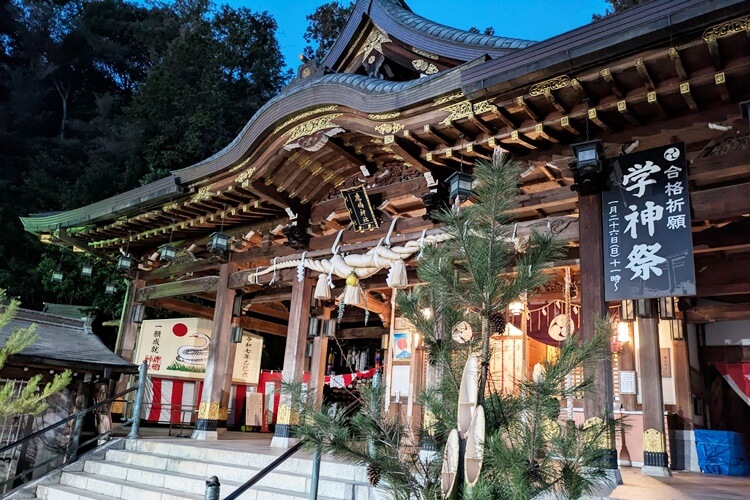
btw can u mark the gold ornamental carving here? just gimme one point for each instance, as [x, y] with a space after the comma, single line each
[596, 423]
[170, 206]
[653, 441]
[727, 29]
[389, 128]
[549, 85]
[209, 411]
[448, 98]
[244, 176]
[457, 111]
[424, 67]
[375, 41]
[312, 126]
[482, 107]
[287, 416]
[305, 114]
[384, 116]
[423, 53]
[203, 194]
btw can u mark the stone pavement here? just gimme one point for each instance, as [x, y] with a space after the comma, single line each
[681, 486]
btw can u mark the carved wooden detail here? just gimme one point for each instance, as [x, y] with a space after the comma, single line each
[393, 174]
[730, 144]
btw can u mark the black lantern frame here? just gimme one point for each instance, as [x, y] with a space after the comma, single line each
[627, 310]
[588, 167]
[138, 310]
[219, 243]
[110, 289]
[57, 276]
[87, 270]
[460, 185]
[237, 333]
[125, 263]
[667, 308]
[167, 253]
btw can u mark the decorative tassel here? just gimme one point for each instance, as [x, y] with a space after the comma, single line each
[322, 291]
[352, 290]
[397, 277]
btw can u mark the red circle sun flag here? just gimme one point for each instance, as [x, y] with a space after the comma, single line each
[180, 329]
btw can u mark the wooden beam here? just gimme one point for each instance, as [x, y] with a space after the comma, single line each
[261, 325]
[721, 203]
[606, 75]
[402, 150]
[344, 153]
[645, 76]
[710, 313]
[268, 311]
[427, 129]
[622, 107]
[674, 55]
[720, 80]
[717, 277]
[688, 96]
[272, 196]
[521, 102]
[187, 287]
[555, 103]
[367, 332]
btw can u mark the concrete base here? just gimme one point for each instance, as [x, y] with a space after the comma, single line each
[651, 470]
[685, 453]
[208, 435]
[283, 442]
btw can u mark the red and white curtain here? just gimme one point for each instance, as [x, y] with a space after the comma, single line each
[175, 401]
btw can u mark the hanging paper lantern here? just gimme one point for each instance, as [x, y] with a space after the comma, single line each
[352, 291]
[322, 290]
[397, 277]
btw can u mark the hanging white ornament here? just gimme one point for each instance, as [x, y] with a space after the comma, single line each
[301, 268]
[351, 291]
[322, 290]
[397, 277]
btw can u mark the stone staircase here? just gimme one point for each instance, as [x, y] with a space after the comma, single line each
[175, 470]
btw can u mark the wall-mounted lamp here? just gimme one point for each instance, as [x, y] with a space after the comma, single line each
[627, 310]
[137, 313]
[313, 327]
[667, 308]
[677, 329]
[329, 328]
[384, 340]
[237, 305]
[623, 332]
[644, 308]
[587, 169]
[516, 307]
[237, 333]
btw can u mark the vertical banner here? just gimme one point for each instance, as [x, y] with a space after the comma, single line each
[648, 246]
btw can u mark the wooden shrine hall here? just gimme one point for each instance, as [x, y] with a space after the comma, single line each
[367, 138]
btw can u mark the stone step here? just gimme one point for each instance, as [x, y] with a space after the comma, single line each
[86, 485]
[62, 492]
[300, 464]
[201, 470]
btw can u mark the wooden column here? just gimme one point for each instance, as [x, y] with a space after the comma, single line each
[212, 412]
[319, 359]
[682, 389]
[598, 401]
[654, 441]
[294, 358]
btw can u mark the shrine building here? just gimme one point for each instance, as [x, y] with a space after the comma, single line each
[335, 179]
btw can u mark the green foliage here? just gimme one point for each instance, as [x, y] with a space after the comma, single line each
[324, 27]
[618, 6]
[31, 400]
[97, 97]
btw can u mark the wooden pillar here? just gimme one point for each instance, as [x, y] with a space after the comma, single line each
[598, 401]
[212, 412]
[654, 441]
[682, 389]
[294, 358]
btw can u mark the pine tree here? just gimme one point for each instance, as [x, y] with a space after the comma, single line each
[31, 399]
[472, 277]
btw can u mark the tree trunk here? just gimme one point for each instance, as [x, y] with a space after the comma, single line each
[485, 363]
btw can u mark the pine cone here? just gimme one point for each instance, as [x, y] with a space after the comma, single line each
[497, 323]
[373, 473]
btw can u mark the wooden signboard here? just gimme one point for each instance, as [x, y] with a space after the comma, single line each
[360, 211]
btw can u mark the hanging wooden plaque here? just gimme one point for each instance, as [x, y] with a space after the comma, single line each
[360, 211]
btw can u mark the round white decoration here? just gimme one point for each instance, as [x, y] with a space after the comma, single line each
[557, 328]
[462, 332]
